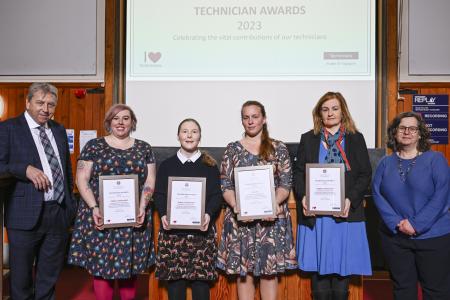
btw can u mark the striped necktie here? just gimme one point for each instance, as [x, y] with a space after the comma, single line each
[58, 184]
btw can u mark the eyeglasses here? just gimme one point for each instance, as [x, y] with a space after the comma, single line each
[411, 129]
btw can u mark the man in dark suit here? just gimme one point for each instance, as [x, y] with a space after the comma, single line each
[40, 207]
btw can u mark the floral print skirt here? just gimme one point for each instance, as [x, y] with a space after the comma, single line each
[115, 253]
[260, 248]
[189, 257]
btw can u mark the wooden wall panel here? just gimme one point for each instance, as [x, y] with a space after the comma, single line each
[391, 60]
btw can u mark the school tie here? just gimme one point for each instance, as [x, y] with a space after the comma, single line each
[58, 184]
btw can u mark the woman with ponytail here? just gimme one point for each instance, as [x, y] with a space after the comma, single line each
[188, 256]
[259, 248]
[333, 247]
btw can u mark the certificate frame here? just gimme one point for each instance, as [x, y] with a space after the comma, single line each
[202, 199]
[134, 201]
[268, 182]
[341, 184]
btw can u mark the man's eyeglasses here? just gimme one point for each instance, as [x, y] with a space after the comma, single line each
[411, 129]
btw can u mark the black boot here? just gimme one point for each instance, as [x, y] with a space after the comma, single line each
[322, 295]
[339, 295]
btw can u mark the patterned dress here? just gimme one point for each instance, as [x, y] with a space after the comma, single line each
[116, 253]
[261, 248]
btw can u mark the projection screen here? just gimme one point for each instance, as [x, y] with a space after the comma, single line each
[203, 58]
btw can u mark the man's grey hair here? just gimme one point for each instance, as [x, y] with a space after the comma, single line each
[44, 87]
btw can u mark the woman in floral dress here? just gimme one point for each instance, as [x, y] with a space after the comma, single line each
[256, 248]
[114, 253]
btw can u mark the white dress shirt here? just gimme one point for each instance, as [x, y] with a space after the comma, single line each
[184, 159]
[34, 128]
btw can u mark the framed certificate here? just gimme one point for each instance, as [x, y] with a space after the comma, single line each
[255, 192]
[119, 200]
[325, 188]
[186, 202]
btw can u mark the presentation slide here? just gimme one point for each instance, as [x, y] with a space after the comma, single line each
[203, 59]
[249, 38]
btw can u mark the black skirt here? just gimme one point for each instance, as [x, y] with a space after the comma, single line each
[189, 257]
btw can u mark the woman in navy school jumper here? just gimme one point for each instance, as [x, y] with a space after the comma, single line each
[411, 192]
[188, 255]
[333, 247]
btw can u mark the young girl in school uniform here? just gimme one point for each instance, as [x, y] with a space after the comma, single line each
[186, 255]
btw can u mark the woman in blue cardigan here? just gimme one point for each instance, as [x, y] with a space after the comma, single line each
[411, 192]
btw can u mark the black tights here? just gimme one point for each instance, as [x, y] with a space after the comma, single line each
[177, 289]
[326, 287]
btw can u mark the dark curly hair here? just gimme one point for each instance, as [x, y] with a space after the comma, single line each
[424, 134]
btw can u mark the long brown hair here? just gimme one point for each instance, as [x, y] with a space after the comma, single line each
[207, 159]
[347, 121]
[266, 149]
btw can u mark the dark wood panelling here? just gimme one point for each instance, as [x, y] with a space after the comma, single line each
[391, 59]
[110, 51]
[416, 85]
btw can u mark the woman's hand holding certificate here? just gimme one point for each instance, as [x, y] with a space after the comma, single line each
[255, 193]
[186, 202]
[325, 190]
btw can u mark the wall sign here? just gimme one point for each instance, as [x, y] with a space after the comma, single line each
[434, 110]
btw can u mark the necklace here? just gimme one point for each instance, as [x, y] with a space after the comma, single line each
[401, 171]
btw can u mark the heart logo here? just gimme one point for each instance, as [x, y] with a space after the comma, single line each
[154, 56]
